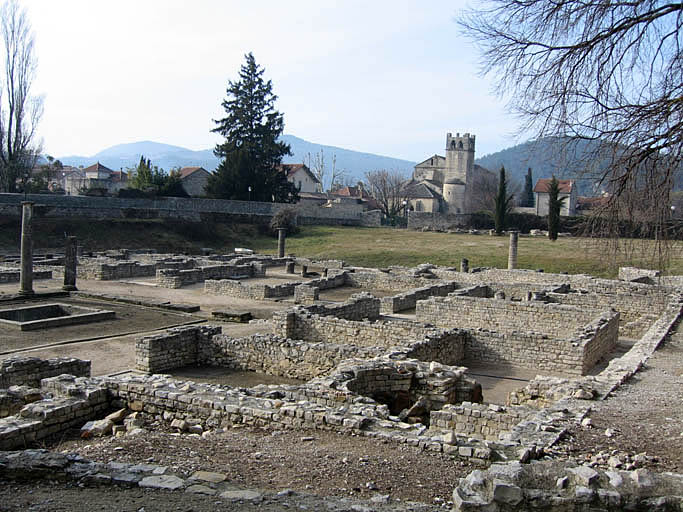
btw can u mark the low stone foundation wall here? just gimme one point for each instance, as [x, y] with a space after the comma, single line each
[175, 278]
[359, 306]
[557, 485]
[12, 276]
[478, 420]
[390, 280]
[407, 300]
[246, 290]
[115, 270]
[76, 401]
[29, 371]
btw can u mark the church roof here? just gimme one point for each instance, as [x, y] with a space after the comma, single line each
[420, 191]
[427, 162]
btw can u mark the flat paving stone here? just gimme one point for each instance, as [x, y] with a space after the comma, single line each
[169, 482]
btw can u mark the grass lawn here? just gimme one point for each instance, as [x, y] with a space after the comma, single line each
[373, 247]
[379, 247]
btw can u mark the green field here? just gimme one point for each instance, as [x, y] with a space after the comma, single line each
[375, 247]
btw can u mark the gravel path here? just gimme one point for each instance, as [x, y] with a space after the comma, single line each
[644, 416]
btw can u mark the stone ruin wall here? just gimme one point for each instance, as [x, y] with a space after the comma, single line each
[174, 278]
[502, 315]
[408, 300]
[480, 421]
[29, 371]
[273, 355]
[13, 276]
[175, 348]
[544, 337]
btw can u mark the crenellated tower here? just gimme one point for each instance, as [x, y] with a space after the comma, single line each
[458, 172]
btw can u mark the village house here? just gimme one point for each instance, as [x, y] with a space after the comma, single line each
[194, 180]
[302, 177]
[568, 190]
[95, 177]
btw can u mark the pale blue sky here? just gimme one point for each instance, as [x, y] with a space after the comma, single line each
[383, 77]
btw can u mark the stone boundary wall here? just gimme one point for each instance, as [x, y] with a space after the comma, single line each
[440, 221]
[175, 348]
[407, 300]
[12, 276]
[29, 371]
[187, 209]
[502, 315]
[274, 355]
[480, 421]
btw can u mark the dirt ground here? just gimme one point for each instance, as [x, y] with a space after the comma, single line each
[318, 462]
[644, 416]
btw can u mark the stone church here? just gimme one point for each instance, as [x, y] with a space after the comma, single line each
[446, 184]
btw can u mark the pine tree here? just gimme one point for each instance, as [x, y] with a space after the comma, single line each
[528, 194]
[251, 152]
[503, 203]
[554, 205]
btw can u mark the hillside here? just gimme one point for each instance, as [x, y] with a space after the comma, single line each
[547, 157]
[167, 157]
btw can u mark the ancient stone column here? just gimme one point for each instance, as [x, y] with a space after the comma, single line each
[464, 265]
[70, 263]
[304, 270]
[290, 267]
[26, 276]
[512, 254]
[281, 242]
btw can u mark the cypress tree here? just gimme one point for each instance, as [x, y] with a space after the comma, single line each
[528, 194]
[554, 205]
[503, 203]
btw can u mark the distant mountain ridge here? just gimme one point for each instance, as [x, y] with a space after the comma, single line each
[167, 156]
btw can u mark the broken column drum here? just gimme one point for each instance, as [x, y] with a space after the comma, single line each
[512, 254]
[281, 242]
[464, 265]
[26, 275]
[70, 263]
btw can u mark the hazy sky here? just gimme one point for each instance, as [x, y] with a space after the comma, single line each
[383, 77]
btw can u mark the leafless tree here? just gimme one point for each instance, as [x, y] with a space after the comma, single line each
[317, 165]
[389, 190]
[609, 72]
[20, 111]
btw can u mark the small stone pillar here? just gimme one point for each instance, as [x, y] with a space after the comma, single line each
[281, 242]
[290, 267]
[304, 270]
[512, 253]
[26, 275]
[70, 263]
[464, 265]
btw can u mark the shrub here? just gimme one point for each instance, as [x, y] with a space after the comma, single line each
[285, 218]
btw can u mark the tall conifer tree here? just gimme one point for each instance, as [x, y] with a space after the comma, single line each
[252, 151]
[554, 205]
[503, 203]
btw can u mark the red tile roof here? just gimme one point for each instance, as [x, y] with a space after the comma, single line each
[564, 185]
[186, 171]
[97, 167]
